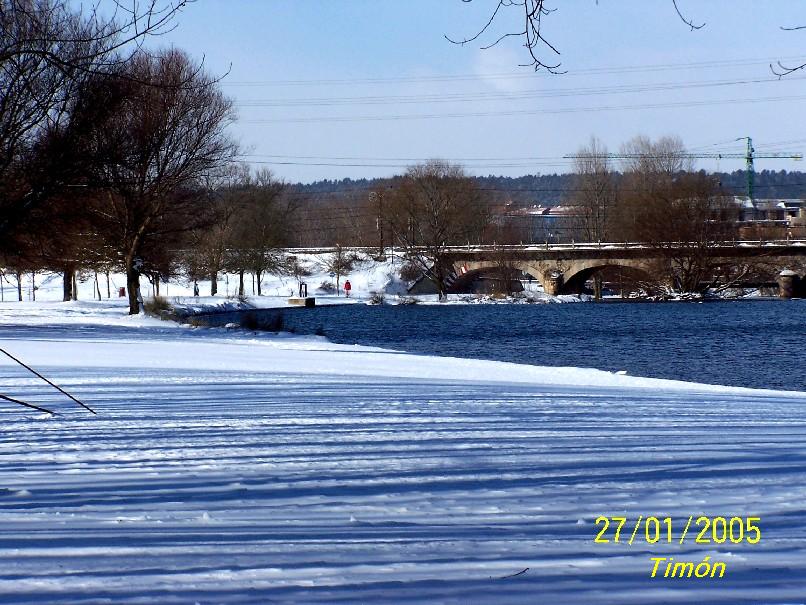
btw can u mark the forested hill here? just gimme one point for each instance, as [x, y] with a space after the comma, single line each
[551, 189]
[769, 183]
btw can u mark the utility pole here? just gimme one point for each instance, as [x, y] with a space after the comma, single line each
[376, 200]
[379, 227]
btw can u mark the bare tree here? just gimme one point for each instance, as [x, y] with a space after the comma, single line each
[436, 205]
[682, 215]
[292, 265]
[665, 156]
[207, 248]
[595, 192]
[163, 136]
[649, 171]
[59, 236]
[47, 28]
[594, 198]
[687, 224]
[48, 48]
[340, 263]
[260, 226]
[507, 270]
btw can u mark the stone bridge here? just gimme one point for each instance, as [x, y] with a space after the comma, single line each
[563, 269]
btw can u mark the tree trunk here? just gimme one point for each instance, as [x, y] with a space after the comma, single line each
[75, 286]
[67, 284]
[213, 283]
[108, 289]
[259, 276]
[19, 286]
[240, 282]
[33, 286]
[156, 285]
[439, 276]
[133, 286]
[597, 287]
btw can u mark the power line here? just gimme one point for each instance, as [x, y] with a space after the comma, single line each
[386, 159]
[501, 162]
[369, 163]
[403, 165]
[525, 112]
[504, 96]
[519, 158]
[721, 64]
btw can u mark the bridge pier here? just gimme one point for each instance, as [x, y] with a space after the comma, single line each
[553, 284]
[787, 283]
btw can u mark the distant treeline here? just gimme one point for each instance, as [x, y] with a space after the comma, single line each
[553, 189]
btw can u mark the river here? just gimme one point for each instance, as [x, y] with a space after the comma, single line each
[756, 344]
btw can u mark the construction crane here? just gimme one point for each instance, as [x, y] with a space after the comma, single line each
[748, 156]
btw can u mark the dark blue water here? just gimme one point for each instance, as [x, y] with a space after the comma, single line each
[758, 344]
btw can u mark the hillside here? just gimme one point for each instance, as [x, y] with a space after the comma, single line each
[552, 189]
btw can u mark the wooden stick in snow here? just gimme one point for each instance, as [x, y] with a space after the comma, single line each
[27, 405]
[57, 387]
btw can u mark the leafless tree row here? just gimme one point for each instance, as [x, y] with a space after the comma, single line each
[110, 156]
[251, 223]
[48, 51]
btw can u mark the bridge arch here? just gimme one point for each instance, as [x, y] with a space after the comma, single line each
[564, 268]
[579, 273]
[487, 278]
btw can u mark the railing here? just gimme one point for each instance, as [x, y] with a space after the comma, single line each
[546, 246]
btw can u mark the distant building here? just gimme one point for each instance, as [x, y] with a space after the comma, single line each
[757, 219]
[771, 218]
[553, 224]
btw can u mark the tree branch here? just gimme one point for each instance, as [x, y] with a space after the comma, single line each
[533, 13]
[686, 20]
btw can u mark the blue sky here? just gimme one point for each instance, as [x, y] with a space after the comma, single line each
[372, 85]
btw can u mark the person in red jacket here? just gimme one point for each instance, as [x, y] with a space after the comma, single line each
[347, 288]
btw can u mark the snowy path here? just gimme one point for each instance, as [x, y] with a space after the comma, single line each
[239, 483]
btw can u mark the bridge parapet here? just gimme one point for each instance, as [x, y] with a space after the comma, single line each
[740, 249]
[566, 270]
[788, 244]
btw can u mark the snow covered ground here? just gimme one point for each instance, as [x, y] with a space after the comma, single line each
[367, 277]
[228, 467]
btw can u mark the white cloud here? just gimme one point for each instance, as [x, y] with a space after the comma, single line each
[500, 68]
